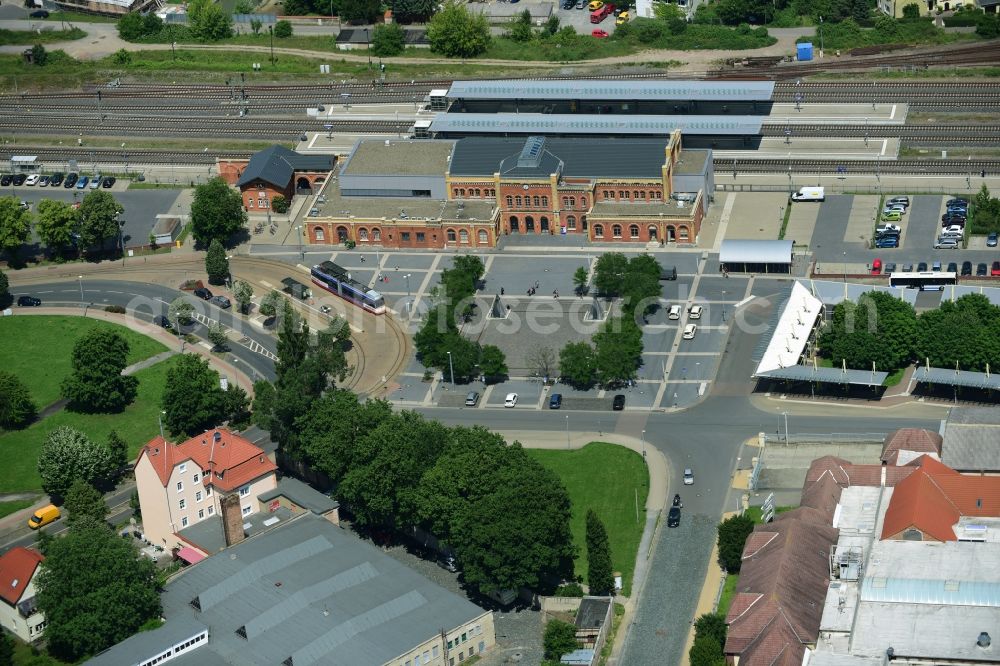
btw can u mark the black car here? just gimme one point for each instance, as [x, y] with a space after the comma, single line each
[203, 293]
[966, 268]
[890, 267]
[29, 301]
[221, 301]
[39, 13]
[162, 322]
[20, 178]
[70, 181]
[952, 267]
[674, 517]
[952, 218]
[6, 179]
[108, 182]
[618, 403]
[982, 270]
[56, 179]
[922, 266]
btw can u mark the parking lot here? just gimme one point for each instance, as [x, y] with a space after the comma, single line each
[579, 18]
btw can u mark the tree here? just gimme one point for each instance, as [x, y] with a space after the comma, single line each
[456, 33]
[542, 360]
[118, 450]
[7, 648]
[388, 39]
[244, 7]
[330, 427]
[733, 533]
[39, 56]
[216, 212]
[68, 455]
[560, 639]
[180, 311]
[406, 11]
[236, 406]
[279, 204]
[243, 293]
[669, 15]
[359, 11]
[84, 501]
[97, 383]
[609, 272]
[706, 652]
[5, 297]
[492, 362]
[520, 28]
[99, 213]
[911, 11]
[618, 351]
[209, 21]
[580, 279]
[712, 625]
[95, 590]
[192, 398]
[600, 577]
[256, 25]
[470, 265]
[217, 335]
[216, 263]
[17, 409]
[134, 26]
[269, 304]
[551, 25]
[578, 365]
[15, 225]
[283, 29]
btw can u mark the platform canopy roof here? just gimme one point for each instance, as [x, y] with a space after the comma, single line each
[952, 377]
[791, 333]
[739, 251]
[571, 123]
[598, 89]
[808, 373]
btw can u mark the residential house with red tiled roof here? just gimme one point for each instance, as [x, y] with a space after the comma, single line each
[906, 444]
[181, 484]
[18, 613]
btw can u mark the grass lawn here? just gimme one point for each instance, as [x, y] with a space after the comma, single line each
[137, 425]
[7, 508]
[30, 37]
[894, 377]
[757, 515]
[38, 350]
[728, 592]
[605, 478]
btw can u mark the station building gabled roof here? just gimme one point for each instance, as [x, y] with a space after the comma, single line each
[598, 89]
[573, 123]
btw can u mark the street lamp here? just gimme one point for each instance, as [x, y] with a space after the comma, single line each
[643, 444]
[121, 237]
[407, 278]
[368, 46]
[452, 369]
[80, 279]
[567, 431]
[845, 265]
[302, 252]
[723, 305]
[785, 414]
[124, 157]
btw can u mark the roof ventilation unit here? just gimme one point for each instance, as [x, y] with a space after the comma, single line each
[531, 153]
[984, 640]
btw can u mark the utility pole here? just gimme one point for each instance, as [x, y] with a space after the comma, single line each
[452, 369]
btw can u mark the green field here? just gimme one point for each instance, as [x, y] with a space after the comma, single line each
[137, 425]
[603, 477]
[30, 37]
[728, 592]
[38, 350]
[7, 508]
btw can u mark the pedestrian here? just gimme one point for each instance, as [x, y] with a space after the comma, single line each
[536, 284]
[555, 293]
[362, 258]
[501, 291]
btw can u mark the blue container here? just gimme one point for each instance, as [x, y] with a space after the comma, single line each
[805, 51]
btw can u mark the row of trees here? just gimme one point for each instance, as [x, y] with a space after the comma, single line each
[735, 12]
[60, 225]
[886, 331]
[440, 344]
[207, 21]
[613, 359]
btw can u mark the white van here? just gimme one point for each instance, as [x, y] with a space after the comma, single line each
[675, 312]
[810, 194]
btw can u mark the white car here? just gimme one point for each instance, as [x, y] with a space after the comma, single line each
[32, 179]
[688, 477]
[694, 312]
[900, 208]
[675, 312]
[689, 332]
[953, 229]
[510, 400]
[882, 228]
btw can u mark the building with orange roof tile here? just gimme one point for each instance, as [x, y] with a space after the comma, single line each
[182, 484]
[18, 613]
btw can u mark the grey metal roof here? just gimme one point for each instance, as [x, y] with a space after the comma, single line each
[952, 292]
[570, 123]
[972, 439]
[276, 165]
[208, 534]
[721, 91]
[583, 157]
[150, 643]
[807, 373]
[951, 377]
[593, 611]
[932, 591]
[312, 591]
[929, 632]
[304, 495]
[832, 293]
[974, 416]
[740, 251]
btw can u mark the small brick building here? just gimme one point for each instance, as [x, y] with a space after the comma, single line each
[275, 170]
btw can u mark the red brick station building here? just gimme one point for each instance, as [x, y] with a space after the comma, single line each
[430, 193]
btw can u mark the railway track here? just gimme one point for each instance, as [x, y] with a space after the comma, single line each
[953, 134]
[905, 167]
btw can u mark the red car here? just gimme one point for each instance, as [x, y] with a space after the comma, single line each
[599, 34]
[877, 267]
[995, 269]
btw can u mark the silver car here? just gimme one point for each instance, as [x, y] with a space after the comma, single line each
[946, 244]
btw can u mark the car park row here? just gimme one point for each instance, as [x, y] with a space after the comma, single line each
[68, 181]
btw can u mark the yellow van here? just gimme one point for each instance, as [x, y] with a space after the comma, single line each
[43, 516]
[595, 5]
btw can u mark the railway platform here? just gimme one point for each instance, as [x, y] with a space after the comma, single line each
[838, 114]
[799, 148]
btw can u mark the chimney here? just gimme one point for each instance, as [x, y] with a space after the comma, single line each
[232, 518]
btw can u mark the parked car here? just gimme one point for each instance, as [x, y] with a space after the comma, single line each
[936, 266]
[991, 240]
[43, 181]
[884, 228]
[953, 229]
[876, 266]
[907, 268]
[922, 266]
[39, 14]
[70, 181]
[677, 501]
[221, 301]
[510, 400]
[674, 312]
[890, 267]
[555, 401]
[958, 200]
[20, 178]
[966, 268]
[599, 34]
[892, 216]
[895, 208]
[203, 293]
[622, 18]
[995, 269]
[81, 184]
[6, 179]
[887, 242]
[162, 322]
[28, 301]
[688, 477]
[689, 331]
[472, 399]
[674, 516]
[952, 267]
[43, 516]
[56, 179]
[953, 218]
[694, 312]
[95, 181]
[108, 182]
[904, 200]
[32, 179]
[981, 270]
[618, 403]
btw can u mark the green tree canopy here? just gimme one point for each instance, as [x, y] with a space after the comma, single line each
[85, 501]
[879, 329]
[283, 29]
[209, 21]
[96, 383]
[492, 362]
[193, 398]
[580, 279]
[911, 11]
[95, 590]
[413, 10]
[269, 304]
[600, 577]
[618, 351]
[57, 222]
[216, 212]
[360, 11]
[578, 365]
[331, 426]
[609, 273]
[732, 536]
[456, 33]
[559, 639]
[99, 213]
[118, 449]
[15, 225]
[216, 264]
[5, 297]
[520, 27]
[243, 293]
[17, 408]
[68, 455]
[388, 39]
[712, 625]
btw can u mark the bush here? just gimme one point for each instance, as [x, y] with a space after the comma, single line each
[283, 29]
[912, 11]
[388, 40]
[457, 33]
[279, 204]
[115, 309]
[560, 639]
[569, 590]
[733, 533]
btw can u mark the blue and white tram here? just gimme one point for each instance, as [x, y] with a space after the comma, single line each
[337, 280]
